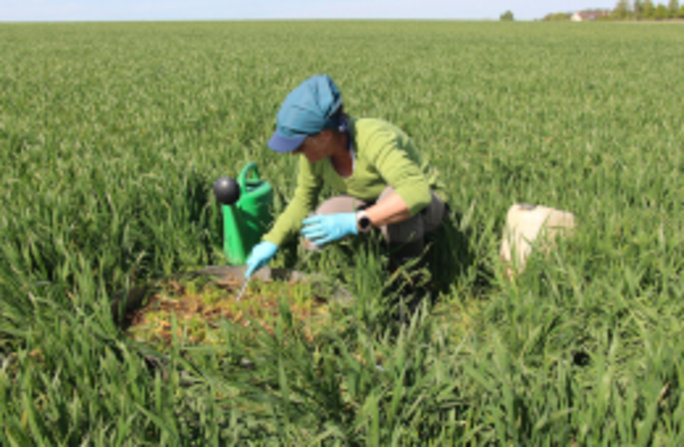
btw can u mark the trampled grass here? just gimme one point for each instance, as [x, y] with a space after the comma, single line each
[112, 134]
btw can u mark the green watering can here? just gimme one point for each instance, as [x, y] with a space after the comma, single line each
[247, 206]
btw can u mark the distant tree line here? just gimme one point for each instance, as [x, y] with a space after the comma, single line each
[632, 10]
[507, 16]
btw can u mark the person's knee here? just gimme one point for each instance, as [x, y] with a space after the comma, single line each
[339, 204]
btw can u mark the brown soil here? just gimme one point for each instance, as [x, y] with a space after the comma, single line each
[199, 310]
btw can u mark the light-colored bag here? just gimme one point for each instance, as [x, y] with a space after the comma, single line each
[531, 225]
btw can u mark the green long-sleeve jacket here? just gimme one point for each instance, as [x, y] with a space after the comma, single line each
[383, 155]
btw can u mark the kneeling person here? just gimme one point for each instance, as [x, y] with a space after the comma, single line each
[372, 164]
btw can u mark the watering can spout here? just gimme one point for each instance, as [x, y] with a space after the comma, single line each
[247, 206]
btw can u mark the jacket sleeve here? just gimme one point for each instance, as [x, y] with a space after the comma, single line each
[395, 160]
[303, 202]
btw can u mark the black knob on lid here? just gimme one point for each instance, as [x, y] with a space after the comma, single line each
[226, 190]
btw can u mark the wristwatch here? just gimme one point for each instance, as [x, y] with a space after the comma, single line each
[363, 222]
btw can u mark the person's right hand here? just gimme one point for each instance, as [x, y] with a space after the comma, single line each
[259, 257]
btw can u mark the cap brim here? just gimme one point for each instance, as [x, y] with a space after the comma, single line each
[281, 143]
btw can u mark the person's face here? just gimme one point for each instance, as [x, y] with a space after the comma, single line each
[315, 147]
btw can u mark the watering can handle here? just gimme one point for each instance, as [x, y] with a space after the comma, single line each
[242, 177]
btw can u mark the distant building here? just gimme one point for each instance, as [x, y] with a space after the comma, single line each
[582, 16]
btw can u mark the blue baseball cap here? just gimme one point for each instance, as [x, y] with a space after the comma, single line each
[307, 110]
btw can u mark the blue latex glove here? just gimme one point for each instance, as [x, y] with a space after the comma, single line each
[259, 257]
[324, 228]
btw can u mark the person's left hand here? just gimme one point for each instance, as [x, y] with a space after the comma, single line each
[324, 228]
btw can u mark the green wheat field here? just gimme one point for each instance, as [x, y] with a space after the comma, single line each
[111, 135]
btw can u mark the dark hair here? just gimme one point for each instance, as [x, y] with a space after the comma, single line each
[338, 119]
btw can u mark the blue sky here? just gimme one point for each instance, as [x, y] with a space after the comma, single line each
[89, 10]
